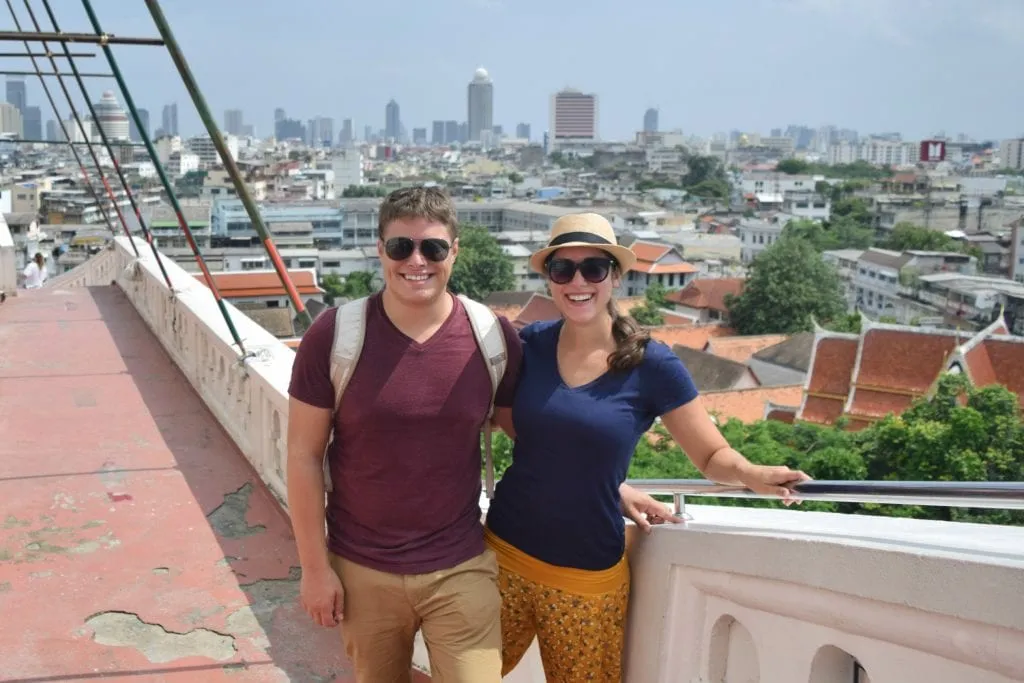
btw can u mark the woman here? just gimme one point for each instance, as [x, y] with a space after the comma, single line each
[591, 385]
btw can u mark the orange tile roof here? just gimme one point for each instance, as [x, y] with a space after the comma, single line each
[508, 312]
[707, 293]
[740, 349]
[908, 359]
[539, 307]
[874, 405]
[649, 251]
[819, 410]
[832, 370]
[748, 405]
[262, 283]
[663, 268]
[691, 336]
[782, 414]
[1003, 364]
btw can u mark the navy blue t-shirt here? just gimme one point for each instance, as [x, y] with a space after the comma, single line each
[559, 500]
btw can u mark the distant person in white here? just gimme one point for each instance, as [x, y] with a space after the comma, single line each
[35, 272]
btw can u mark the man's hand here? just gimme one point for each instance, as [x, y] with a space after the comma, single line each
[322, 597]
[644, 510]
[773, 481]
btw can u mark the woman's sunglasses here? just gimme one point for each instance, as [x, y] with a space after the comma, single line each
[595, 269]
[433, 248]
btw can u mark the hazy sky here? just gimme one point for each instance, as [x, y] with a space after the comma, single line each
[913, 66]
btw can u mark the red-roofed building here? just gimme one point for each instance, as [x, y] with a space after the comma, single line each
[886, 368]
[704, 299]
[655, 262]
[264, 287]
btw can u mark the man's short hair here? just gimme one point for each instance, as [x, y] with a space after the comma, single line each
[432, 203]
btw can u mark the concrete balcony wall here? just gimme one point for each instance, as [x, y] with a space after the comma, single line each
[8, 268]
[778, 596]
[734, 596]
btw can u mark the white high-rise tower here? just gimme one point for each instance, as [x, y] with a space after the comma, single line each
[480, 115]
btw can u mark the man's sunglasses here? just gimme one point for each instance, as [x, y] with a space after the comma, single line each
[595, 269]
[433, 248]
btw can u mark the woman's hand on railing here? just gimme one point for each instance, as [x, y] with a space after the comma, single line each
[643, 510]
[768, 480]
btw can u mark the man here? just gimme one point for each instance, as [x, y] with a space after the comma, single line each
[35, 272]
[404, 548]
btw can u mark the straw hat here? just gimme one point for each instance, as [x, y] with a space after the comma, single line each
[583, 230]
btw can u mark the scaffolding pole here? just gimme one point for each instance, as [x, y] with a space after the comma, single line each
[52, 73]
[103, 137]
[96, 39]
[229, 162]
[81, 55]
[56, 113]
[164, 180]
[78, 122]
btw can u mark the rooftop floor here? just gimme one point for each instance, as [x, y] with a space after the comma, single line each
[136, 542]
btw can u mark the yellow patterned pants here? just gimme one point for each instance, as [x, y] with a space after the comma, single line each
[581, 633]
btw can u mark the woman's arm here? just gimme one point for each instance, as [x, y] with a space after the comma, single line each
[692, 428]
[503, 419]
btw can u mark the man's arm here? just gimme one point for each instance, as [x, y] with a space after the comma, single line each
[309, 428]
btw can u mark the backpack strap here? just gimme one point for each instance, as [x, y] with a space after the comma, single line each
[349, 333]
[491, 339]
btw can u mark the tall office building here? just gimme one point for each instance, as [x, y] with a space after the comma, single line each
[392, 121]
[133, 130]
[169, 120]
[480, 100]
[523, 131]
[32, 123]
[573, 117]
[347, 136]
[111, 117]
[233, 121]
[16, 93]
[651, 120]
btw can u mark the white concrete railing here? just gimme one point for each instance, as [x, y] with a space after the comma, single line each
[780, 596]
[8, 270]
[736, 595]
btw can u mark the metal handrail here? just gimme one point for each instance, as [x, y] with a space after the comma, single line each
[1002, 495]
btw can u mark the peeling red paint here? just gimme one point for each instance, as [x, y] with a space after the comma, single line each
[64, 533]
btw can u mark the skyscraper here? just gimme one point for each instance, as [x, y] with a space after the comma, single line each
[169, 120]
[392, 121]
[573, 117]
[111, 117]
[16, 93]
[233, 121]
[651, 120]
[480, 97]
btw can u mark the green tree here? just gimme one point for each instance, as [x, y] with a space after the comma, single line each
[356, 285]
[333, 287]
[481, 266]
[649, 313]
[908, 237]
[788, 286]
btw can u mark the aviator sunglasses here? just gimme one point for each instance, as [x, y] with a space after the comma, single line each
[433, 248]
[594, 269]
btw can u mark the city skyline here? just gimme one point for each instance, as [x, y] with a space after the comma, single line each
[774, 63]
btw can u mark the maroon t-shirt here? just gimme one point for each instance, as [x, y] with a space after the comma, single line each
[405, 456]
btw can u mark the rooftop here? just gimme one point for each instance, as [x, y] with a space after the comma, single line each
[164, 530]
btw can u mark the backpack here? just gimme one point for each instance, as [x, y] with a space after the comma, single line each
[350, 332]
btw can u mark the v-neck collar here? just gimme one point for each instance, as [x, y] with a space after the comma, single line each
[438, 333]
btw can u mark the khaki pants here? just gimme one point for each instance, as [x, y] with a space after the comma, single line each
[458, 610]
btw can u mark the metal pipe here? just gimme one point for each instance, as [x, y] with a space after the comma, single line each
[98, 39]
[115, 143]
[63, 127]
[229, 163]
[52, 73]
[1000, 495]
[168, 188]
[78, 122]
[103, 137]
[44, 54]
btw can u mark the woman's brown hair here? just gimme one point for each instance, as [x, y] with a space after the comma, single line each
[630, 340]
